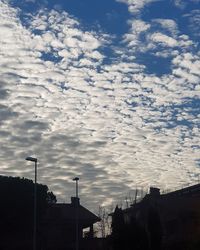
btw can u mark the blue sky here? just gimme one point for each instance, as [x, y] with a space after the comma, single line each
[105, 90]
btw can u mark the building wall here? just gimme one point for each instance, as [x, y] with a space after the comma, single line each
[176, 220]
[180, 218]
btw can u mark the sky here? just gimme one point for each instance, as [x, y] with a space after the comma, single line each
[108, 91]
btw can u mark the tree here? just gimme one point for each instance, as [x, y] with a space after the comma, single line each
[128, 235]
[17, 199]
[104, 226]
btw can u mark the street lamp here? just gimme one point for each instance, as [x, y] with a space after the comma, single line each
[76, 179]
[35, 203]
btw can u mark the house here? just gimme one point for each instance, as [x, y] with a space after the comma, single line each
[168, 221]
[63, 223]
[56, 230]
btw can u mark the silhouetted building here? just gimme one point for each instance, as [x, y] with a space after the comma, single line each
[58, 228]
[170, 221]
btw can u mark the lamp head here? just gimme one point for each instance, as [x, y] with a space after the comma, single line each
[76, 179]
[31, 159]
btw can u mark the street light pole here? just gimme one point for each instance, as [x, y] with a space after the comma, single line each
[76, 179]
[35, 204]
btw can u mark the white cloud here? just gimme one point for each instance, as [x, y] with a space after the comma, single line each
[163, 39]
[135, 6]
[187, 67]
[193, 21]
[168, 24]
[160, 37]
[103, 122]
[137, 28]
[182, 4]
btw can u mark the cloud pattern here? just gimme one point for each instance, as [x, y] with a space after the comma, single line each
[114, 124]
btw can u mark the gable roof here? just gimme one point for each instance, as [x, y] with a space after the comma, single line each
[66, 213]
[175, 196]
[187, 191]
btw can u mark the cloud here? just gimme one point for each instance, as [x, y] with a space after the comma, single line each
[159, 37]
[187, 67]
[112, 124]
[194, 19]
[168, 25]
[163, 39]
[135, 6]
[182, 4]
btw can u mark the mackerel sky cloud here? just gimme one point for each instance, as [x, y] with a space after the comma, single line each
[108, 91]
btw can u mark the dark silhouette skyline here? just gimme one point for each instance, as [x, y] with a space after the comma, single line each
[168, 221]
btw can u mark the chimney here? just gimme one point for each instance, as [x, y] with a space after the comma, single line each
[75, 201]
[154, 192]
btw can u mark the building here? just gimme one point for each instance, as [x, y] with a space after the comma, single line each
[56, 230]
[63, 222]
[170, 221]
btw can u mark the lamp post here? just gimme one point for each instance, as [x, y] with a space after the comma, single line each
[76, 179]
[35, 203]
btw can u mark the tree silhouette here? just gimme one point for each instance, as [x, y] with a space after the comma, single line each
[17, 199]
[128, 236]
